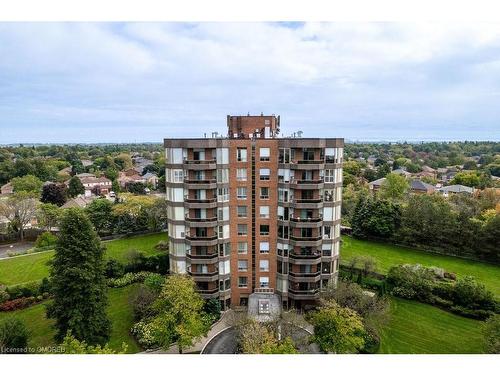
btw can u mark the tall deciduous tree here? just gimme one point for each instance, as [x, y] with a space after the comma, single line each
[338, 329]
[79, 285]
[19, 209]
[28, 183]
[179, 311]
[75, 187]
[101, 215]
[394, 187]
[54, 193]
[47, 215]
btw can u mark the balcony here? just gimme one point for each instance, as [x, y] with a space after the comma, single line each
[200, 164]
[306, 222]
[204, 276]
[211, 258]
[313, 258]
[309, 203]
[304, 276]
[196, 222]
[201, 203]
[303, 294]
[201, 220]
[307, 184]
[305, 241]
[209, 293]
[202, 240]
[200, 184]
[307, 164]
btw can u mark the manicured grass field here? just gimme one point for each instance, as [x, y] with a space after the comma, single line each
[388, 255]
[34, 267]
[119, 311]
[419, 328]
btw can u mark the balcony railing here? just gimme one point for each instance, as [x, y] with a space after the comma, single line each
[306, 219]
[200, 238]
[311, 200]
[300, 182]
[304, 292]
[195, 181]
[196, 273]
[313, 255]
[193, 200]
[316, 161]
[311, 238]
[208, 161]
[201, 220]
[202, 256]
[304, 274]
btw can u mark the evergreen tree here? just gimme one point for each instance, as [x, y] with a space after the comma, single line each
[75, 187]
[79, 285]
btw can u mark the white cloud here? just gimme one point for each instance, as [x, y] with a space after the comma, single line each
[377, 76]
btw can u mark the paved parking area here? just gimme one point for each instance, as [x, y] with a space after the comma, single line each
[18, 246]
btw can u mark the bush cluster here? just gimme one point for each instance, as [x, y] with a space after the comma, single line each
[128, 278]
[465, 297]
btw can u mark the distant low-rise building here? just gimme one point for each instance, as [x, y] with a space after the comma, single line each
[374, 186]
[455, 189]
[7, 189]
[96, 185]
[420, 187]
[151, 179]
[79, 202]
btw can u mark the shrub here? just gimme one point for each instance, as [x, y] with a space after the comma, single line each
[213, 309]
[469, 313]
[4, 295]
[443, 290]
[473, 295]
[155, 263]
[18, 303]
[127, 279]
[154, 282]
[24, 290]
[46, 239]
[162, 245]
[411, 281]
[492, 335]
[141, 302]
[13, 334]
[114, 269]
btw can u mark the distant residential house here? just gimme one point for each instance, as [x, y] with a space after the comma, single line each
[455, 189]
[152, 179]
[401, 172]
[83, 175]
[80, 202]
[125, 178]
[87, 163]
[96, 185]
[374, 186]
[371, 160]
[420, 187]
[7, 189]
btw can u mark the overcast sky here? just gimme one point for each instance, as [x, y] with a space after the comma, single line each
[145, 81]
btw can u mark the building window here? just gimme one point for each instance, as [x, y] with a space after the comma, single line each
[242, 265]
[242, 247]
[264, 174]
[241, 174]
[264, 212]
[242, 211]
[264, 265]
[242, 230]
[329, 175]
[264, 282]
[264, 230]
[178, 175]
[241, 154]
[241, 193]
[264, 247]
[283, 195]
[242, 282]
[284, 155]
[222, 176]
[264, 193]
[265, 153]
[283, 231]
[222, 194]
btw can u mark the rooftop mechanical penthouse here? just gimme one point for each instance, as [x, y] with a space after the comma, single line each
[255, 211]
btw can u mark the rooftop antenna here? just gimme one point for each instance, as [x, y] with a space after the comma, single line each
[299, 133]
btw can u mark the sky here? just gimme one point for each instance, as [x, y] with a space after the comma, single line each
[142, 82]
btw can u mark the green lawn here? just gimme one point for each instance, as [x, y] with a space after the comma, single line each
[119, 311]
[388, 255]
[419, 328]
[22, 269]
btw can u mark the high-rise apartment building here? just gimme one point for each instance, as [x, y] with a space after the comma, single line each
[255, 211]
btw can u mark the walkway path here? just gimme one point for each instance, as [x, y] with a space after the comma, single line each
[14, 247]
